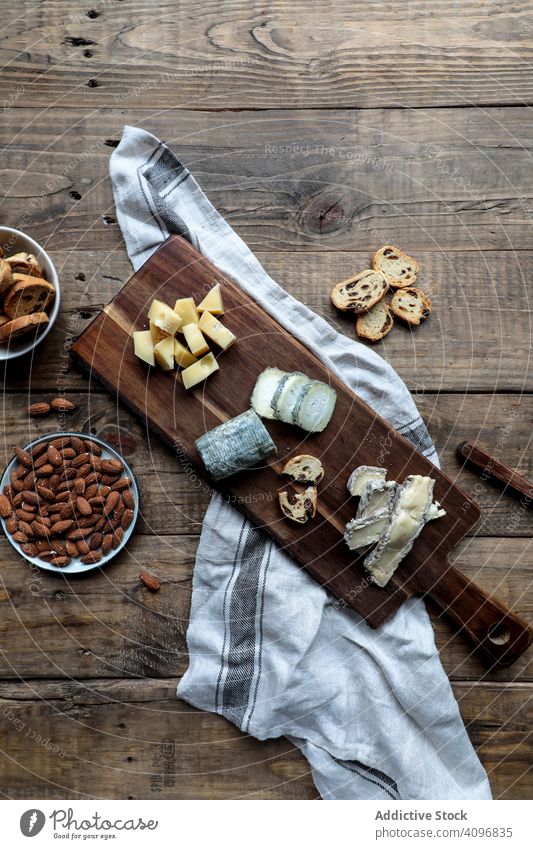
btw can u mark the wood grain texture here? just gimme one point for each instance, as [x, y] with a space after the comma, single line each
[477, 339]
[453, 184]
[342, 180]
[174, 503]
[135, 740]
[179, 418]
[234, 55]
[107, 625]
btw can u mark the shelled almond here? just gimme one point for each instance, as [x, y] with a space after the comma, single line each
[64, 501]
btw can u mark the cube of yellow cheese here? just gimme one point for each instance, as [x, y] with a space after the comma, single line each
[164, 318]
[212, 302]
[164, 353]
[156, 333]
[143, 346]
[186, 309]
[195, 339]
[216, 331]
[199, 371]
[182, 355]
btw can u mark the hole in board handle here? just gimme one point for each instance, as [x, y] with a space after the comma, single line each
[499, 634]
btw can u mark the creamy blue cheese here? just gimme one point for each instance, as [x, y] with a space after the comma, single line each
[235, 445]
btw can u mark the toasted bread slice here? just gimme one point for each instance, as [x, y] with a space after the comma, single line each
[376, 323]
[399, 268]
[411, 305]
[22, 325]
[299, 506]
[25, 263]
[304, 469]
[6, 276]
[28, 295]
[359, 293]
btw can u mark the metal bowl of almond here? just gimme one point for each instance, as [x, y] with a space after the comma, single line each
[68, 502]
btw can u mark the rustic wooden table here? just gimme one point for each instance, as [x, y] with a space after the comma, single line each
[320, 131]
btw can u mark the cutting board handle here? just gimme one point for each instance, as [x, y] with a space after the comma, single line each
[494, 629]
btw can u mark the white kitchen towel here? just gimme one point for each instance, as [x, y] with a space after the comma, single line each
[270, 649]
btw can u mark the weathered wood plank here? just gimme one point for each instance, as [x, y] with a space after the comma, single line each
[107, 625]
[174, 497]
[233, 56]
[442, 180]
[135, 740]
[478, 337]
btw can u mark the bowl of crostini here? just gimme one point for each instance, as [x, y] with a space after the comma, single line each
[29, 293]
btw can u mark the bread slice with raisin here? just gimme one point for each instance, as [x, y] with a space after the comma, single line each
[411, 305]
[359, 293]
[304, 469]
[399, 268]
[299, 506]
[28, 295]
[376, 323]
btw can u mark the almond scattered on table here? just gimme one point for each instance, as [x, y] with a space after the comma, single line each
[150, 581]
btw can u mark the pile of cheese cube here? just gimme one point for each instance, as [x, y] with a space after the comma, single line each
[160, 345]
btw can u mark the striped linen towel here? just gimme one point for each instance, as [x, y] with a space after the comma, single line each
[270, 649]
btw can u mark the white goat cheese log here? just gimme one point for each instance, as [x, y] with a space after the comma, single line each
[294, 398]
[235, 445]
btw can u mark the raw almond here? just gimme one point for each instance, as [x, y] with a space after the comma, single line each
[92, 557]
[40, 530]
[82, 546]
[38, 449]
[96, 541]
[30, 496]
[91, 491]
[93, 446]
[45, 471]
[18, 536]
[80, 459]
[41, 408]
[5, 507]
[127, 519]
[128, 498]
[30, 549]
[61, 526]
[11, 524]
[57, 546]
[79, 533]
[79, 486]
[122, 483]
[26, 528]
[23, 457]
[72, 548]
[60, 442]
[59, 561]
[83, 506]
[107, 543]
[78, 444]
[111, 501]
[62, 405]
[150, 581]
[54, 456]
[29, 480]
[24, 515]
[46, 493]
[111, 466]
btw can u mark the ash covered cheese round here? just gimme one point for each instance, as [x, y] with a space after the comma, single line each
[235, 445]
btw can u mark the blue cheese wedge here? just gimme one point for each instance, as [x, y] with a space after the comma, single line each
[363, 475]
[412, 505]
[235, 445]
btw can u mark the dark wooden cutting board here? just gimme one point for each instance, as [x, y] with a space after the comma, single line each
[355, 436]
